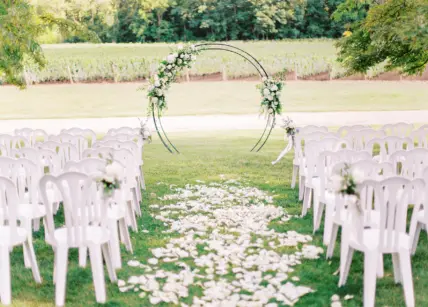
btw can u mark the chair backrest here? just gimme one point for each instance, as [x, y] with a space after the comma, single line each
[420, 137]
[8, 205]
[374, 170]
[359, 138]
[393, 196]
[398, 129]
[66, 151]
[13, 142]
[89, 134]
[79, 141]
[122, 130]
[80, 209]
[389, 145]
[89, 166]
[99, 152]
[311, 129]
[302, 139]
[345, 130]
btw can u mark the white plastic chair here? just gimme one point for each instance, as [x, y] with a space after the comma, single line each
[393, 196]
[79, 141]
[85, 227]
[420, 137]
[335, 216]
[66, 151]
[12, 235]
[87, 133]
[299, 156]
[387, 146]
[420, 213]
[410, 164]
[398, 129]
[11, 142]
[359, 138]
[345, 130]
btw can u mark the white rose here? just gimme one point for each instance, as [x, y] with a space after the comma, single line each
[179, 61]
[275, 103]
[336, 182]
[266, 92]
[358, 175]
[274, 88]
[193, 57]
[170, 58]
[159, 92]
[180, 47]
[175, 55]
[270, 111]
[157, 83]
[114, 170]
[108, 178]
[352, 199]
[151, 88]
[169, 67]
[169, 74]
[182, 55]
[186, 56]
[270, 98]
[154, 100]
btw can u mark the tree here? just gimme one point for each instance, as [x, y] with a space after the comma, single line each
[394, 32]
[20, 26]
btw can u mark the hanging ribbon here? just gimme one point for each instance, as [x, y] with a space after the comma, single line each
[290, 145]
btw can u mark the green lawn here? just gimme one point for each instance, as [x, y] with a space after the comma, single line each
[204, 157]
[203, 98]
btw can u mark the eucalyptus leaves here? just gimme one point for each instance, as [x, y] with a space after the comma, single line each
[271, 93]
[167, 72]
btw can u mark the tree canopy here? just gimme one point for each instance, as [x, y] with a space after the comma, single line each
[394, 32]
[20, 27]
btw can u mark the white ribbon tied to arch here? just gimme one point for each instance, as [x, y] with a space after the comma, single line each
[290, 145]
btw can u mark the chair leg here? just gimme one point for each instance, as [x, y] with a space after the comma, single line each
[5, 285]
[306, 200]
[332, 241]
[28, 245]
[124, 231]
[301, 187]
[415, 237]
[83, 256]
[143, 182]
[109, 263]
[114, 245]
[315, 206]
[98, 273]
[380, 268]
[294, 176]
[396, 267]
[370, 268]
[328, 223]
[136, 201]
[26, 223]
[36, 224]
[61, 259]
[131, 216]
[318, 218]
[406, 274]
[345, 266]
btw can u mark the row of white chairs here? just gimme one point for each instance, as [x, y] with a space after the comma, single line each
[24, 167]
[398, 166]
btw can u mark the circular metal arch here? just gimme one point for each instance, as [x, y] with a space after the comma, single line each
[270, 123]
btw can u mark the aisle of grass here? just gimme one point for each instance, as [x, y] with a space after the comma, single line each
[206, 156]
[205, 98]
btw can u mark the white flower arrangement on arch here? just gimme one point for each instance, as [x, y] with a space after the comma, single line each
[167, 73]
[271, 94]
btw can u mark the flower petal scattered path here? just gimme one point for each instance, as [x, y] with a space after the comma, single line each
[225, 249]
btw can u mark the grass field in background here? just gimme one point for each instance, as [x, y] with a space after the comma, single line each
[205, 156]
[128, 62]
[203, 98]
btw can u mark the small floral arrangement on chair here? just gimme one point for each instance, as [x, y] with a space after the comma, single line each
[346, 184]
[111, 177]
[289, 127]
[145, 132]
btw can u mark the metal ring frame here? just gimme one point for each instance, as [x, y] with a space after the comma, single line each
[270, 123]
